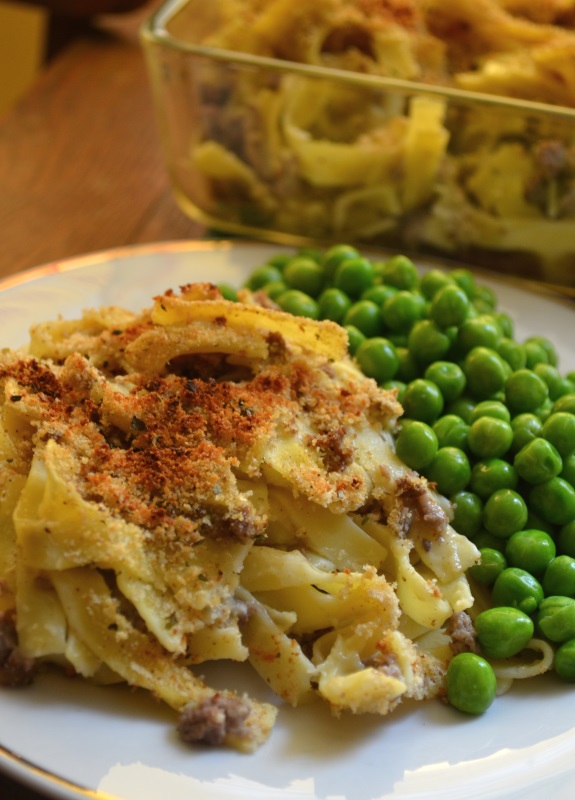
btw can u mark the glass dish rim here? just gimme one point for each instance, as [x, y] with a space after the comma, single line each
[153, 31]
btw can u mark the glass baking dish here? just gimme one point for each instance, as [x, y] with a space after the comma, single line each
[302, 154]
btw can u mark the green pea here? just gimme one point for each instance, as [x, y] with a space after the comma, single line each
[449, 470]
[564, 387]
[310, 252]
[395, 386]
[462, 407]
[537, 523]
[280, 260]
[451, 431]
[355, 338]
[485, 539]
[384, 294]
[448, 376]
[559, 429]
[298, 303]
[491, 565]
[228, 292]
[512, 352]
[552, 378]
[422, 401]
[274, 289]
[545, 409]
[491, 408]
[525, 428]
[568, 471]
[416, 445]
[262, 275]
[504, 513]
[467, 513]
[365, 316]
[427, 342]
[333, 304]
[547, 346]
[565, 403]
[401, 272]
[400, 340]
[556, 618]
[564, 663]
[525, 391]
[535, 354]
[538, 461]
[486, 372]
[377, 358]
[504, 631]
[451, 334]
[479, 306]
[449, 306]
[466, 279]
[485, 295]
[304, 274]
[505, 323]
[566, 539]
[470, 683]
[559, 577]
[491, 474]
[402, 310]
[408, 368]
[531, 550]
[480, 331]
[554, 500]
[434, 280]
[353, 276]
[517, 588]
[379, 293]
[490, 437]
[334, 256]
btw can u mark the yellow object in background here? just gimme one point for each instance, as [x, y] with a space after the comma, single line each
[22, 38]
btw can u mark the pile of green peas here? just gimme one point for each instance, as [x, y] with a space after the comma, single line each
[488, 419]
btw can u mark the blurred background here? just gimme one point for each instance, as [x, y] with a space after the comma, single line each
[23, 32]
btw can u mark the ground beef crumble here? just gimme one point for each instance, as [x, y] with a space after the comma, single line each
[213, 719]
[462, 632]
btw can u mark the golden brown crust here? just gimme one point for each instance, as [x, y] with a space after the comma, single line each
[165, 451]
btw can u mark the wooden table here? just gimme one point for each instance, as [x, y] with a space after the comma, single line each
[81, 168]
[80, 162]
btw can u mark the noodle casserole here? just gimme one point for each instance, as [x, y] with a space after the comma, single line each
[423, 125]
[209, 480]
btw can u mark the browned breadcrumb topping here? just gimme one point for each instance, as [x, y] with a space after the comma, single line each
[36, 377]
[166, 453]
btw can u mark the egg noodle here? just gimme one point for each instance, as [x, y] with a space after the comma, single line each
[333, 160]
[211, 480]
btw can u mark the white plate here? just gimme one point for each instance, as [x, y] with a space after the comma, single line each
[72, 740]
